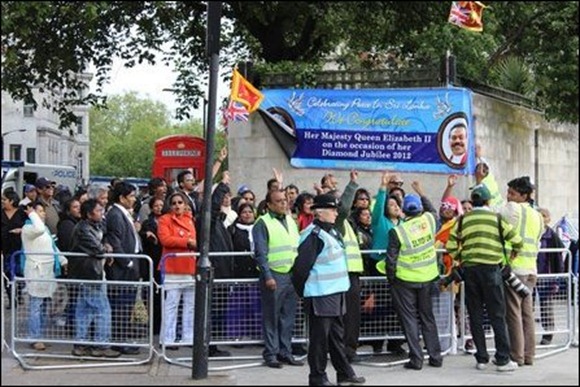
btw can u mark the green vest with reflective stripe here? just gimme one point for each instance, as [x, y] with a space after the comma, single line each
[354, 259]
[530, 228]
[282, 243]
[417, 261]
[496, 200]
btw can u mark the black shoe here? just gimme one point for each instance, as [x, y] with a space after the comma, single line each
[299, 350]
[413, 366]
[273, 364]
[290, 360]
[352, 381]
[435, 363]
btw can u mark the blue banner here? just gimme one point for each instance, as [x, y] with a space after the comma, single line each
[407, 130]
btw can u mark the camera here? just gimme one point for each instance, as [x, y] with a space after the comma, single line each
[456, 276]
[514, 282]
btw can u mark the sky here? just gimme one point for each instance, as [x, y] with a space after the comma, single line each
[149, 81]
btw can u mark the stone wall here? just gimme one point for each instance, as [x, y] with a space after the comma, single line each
[506, 132]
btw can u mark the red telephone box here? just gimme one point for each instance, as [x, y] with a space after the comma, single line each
[177, 152]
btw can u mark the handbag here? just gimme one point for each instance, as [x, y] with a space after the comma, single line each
[139, 314]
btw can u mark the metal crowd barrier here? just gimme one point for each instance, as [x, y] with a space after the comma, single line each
[554, 291]
[57, 316]
[236, 306]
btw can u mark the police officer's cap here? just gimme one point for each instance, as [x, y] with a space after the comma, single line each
[324, 201]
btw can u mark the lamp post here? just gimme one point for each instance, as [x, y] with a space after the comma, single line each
[205, 103]
[6, 134]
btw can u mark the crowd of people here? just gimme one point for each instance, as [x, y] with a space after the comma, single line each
[306, 244]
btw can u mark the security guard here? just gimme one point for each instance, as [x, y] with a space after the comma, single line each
[275, 244]
[529, 224]
[320, 276]
[412, 270]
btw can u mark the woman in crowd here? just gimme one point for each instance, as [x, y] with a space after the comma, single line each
[13, 219]
[243, 311]
[177, 234]
[36, 242]
[152, 248]
[305, 216]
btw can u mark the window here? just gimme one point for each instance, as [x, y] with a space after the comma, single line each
[28, 111]
[79, 125]
[31, 155]
[15, 152]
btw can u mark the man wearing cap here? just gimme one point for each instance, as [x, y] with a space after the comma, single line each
[320, 275]
[45, 189]
[30, 195]
[529, 224]
[411, 268]
[275, 245]
[476, 243]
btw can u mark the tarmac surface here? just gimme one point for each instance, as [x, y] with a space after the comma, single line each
[556, 369]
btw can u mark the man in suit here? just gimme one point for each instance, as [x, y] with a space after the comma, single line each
[458, 144]
[122, 236]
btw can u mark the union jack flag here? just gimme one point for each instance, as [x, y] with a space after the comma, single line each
[235, 111]
[467, 15]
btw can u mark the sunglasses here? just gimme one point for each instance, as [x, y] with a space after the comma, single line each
[176, 203]
[397, 183]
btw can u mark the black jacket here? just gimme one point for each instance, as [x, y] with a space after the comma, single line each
[87, 238]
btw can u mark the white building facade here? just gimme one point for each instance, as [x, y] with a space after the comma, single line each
[34, 136]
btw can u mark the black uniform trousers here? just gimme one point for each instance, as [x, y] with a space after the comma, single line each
[352, 317]
[415, 309]
[326, 336]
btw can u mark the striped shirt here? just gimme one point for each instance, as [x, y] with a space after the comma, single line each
[480, 242]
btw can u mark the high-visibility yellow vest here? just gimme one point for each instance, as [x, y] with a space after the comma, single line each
[282, 243]
[530, 227]
[496, 200]
[417, 261]
[353, 256]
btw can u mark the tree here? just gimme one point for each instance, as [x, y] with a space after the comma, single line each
[45, 44]
[123, 135]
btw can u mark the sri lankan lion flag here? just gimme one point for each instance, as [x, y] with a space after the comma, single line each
[467, 15]
[245, 93]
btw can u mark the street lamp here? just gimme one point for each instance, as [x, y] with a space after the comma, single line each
[6, 134]
[205, 103]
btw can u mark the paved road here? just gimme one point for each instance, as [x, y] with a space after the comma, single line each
[559, 369]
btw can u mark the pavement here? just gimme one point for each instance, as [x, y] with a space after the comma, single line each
[556, 369]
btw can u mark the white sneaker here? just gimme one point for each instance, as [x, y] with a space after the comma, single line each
[509, 366]
[481, 366]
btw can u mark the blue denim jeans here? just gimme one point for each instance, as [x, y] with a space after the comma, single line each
[93, 305]
[37, 316]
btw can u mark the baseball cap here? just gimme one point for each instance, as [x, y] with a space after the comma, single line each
[242, 189]
[29, 187]
[412, 204]
[480, 193]
[43, 182]
[324, 201]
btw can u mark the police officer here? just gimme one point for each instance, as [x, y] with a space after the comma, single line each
[320, 275]
[529, 224]
[411, 268]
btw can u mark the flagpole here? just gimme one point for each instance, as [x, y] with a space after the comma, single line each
[204, 276]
